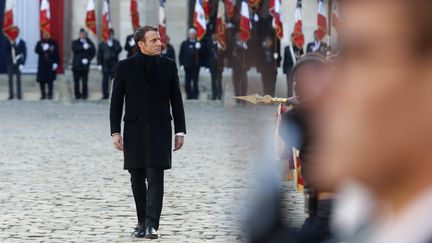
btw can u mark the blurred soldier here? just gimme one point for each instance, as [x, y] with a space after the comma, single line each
[317, 45]
[268, 64]
[16, 65]
[48, 52]
[84, 51]
[239, 67]
[107, 58]
[168, 51]
[189, 60]
[291, 55]
[130, 45]
[216, 67]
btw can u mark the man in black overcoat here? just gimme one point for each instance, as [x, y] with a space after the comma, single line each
[83, 52]
[149, 85]
[16, 65]
[48, 52]
[189, 57]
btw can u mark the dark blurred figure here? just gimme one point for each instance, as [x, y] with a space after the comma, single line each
[317, 45]
[130, 45]
[48, 52]
[169, 51]
[240, 67]
[216, 65]
[16, 65]
[189, 60]
[268, 65]
[377, 119]
[83, 52]
[291, 55]
[107, 58]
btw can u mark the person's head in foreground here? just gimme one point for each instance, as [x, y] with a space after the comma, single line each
[148, 40]
[378, 116]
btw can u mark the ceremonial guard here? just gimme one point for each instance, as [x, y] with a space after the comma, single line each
[18, 56]
[268, 65]
[317, 45]
[291, 55]
[48, 61]
[239, 67]
[216, 66]
[83, 52]
[190, 61]
[107, 58]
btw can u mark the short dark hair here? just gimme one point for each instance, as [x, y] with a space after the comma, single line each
[139, 34]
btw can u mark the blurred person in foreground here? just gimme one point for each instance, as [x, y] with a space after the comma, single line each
[377, 119]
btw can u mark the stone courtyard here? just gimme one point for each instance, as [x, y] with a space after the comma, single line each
[62, 180]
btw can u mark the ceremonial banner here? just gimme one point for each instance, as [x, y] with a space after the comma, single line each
[9, 29]
[200, 20]
[298, 27]
[207, 9]
[255, 3]
[277, 19]
[162, 23]
[322, 20]
[335, 15]
[220, 26]
[45, 17]
[106, 20]
[244, 22]
[90, 21]
[134, 14]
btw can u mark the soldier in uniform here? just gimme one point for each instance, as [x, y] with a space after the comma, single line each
[16, 65]
[291, 55]
[216, 67]
[268, 66]
[83, 52]
[189, 61]
[107, 58]
[48, 52]
[240, 67]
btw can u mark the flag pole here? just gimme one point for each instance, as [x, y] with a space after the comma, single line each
[329, 24]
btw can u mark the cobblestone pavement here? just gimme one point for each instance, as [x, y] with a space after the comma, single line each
[61, 179]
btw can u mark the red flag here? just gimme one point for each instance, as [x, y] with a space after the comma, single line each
[45, 17]
[256, 4]
[220, 26]
[106, 20]
[335, 15]
[200, 20]
[277, 19]
[90, 20]
[298, 170]
[230, 8]
[322, 20]
[134, 14]
[9, 29]
[207, 8]
[298, 27]
[244, 21]
[162, 23]
[271, 7]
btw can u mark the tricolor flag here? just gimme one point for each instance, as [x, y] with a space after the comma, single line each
[230, 8]
[298, 170]
[106, 20]
[256, 4]
[162, 23]
[207, 9]
[9, 29]
[199, 20]
[298, 27]
[244, 21]
[322, 20]
[220, 26]
[277, 19]
[45, 17]
[335, 15]
[90, 20]
[134, 14]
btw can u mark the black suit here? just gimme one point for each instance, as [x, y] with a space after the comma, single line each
[108, 57]
[288, 64]
[189, 58]
[46, 73]
[13, 68]
[80, 69]
[150, 87]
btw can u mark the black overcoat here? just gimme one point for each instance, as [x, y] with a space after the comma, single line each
[147, 134]
[79, 53]
[47, 58]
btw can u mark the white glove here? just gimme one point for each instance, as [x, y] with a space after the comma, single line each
[132, 42]
[244, 45]
[45, 46]
[275, 55]
[21, 67]
[86, 46]
[84, 61]
[182, 68]
[197, 45]
[110, 43]
[54, 66]
[100, 68]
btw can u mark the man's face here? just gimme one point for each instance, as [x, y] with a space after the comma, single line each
[83, 35]
[192, 35]
[151, 45]
[378, 116]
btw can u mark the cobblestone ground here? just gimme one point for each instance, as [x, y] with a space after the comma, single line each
[61, 180]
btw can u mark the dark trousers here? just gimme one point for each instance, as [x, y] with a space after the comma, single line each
[191, 82]
[268, 78]
[240, 81]
[80, 75]
[106, 78]
[44, 93]
[148, 199]
[216, 81]
[14, 69]
[290, 84]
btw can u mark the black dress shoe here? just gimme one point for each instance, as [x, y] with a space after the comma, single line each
[151, 233]
[139, 231]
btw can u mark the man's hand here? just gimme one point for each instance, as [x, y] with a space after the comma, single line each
[118, 141]
[178, 142]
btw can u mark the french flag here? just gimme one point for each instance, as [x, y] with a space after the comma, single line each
[90, 20]
[220, 26]
[45, 17]
[335, 15]
[200, 20]
[322, 20]
[298, 26]
[277, 19]
[244, 22]
[106, 20]
[8, 22]
[134, 14]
